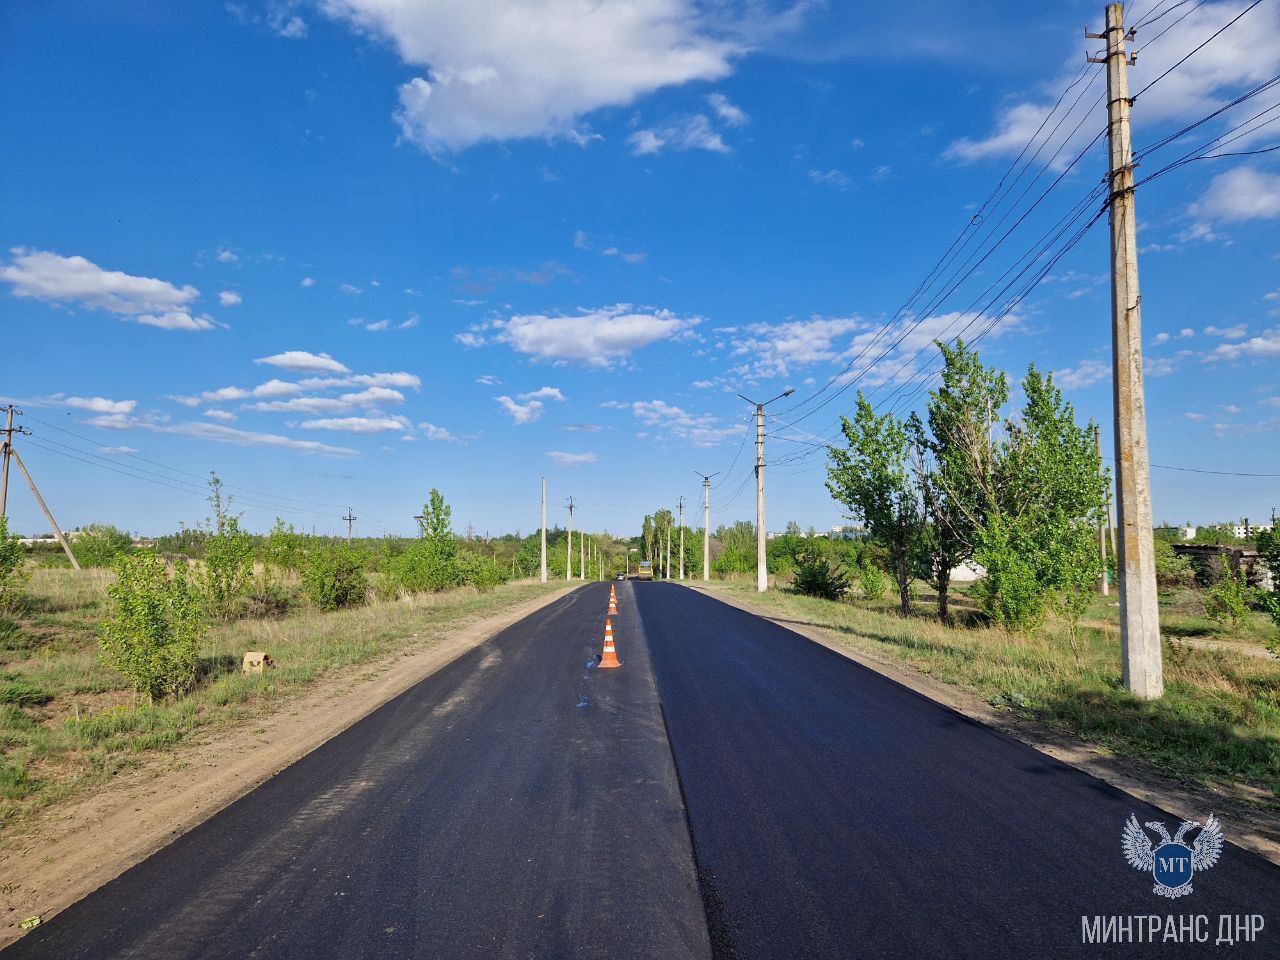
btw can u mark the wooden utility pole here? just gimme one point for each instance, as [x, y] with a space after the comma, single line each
[544, 530]
[4, 455]
[35, 492]
[350, 520]
[1139, 604]
[568, 558]
[1104, 584]
[706, 523]
[681, 505]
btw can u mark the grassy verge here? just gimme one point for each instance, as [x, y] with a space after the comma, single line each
[1219, 721]
[67, 721]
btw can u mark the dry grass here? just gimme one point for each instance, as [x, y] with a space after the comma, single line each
[67, 721]
[1219, 720]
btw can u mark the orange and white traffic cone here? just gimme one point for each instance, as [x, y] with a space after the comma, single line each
[613, 594]
[613, 605]
[609, 659]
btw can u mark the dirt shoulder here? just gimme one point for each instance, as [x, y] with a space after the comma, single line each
[1254, 829]
[68, 851]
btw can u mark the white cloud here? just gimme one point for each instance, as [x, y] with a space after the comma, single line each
[1194, 417]
[437, 433]
[359, 424]
[219, 433]
[226, 256]
[1160, 338]
[581, 240]
[521, 413]
[350, 289]
[304, 362]
[120, 450]
[373, 395]
[225, 416]
[691, 132]
[99, 404]
[776, 349]
[1265, 346]
[489, 380]
[544, 393]
[1227, 333]
[1084, 374]
[1244, 193]
[509, 69]
[185, 401]
[229, 298]
[597, 337]
[276, 388]
[307, 282]
[224, 394]
[48, 276]
[671, 422]
[830, 178]
[571, 459]
[1244, 55]
[303, 405]
[728, 113]
[596, 428]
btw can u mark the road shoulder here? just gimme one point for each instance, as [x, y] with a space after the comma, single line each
[70, 851]
[1253, 830]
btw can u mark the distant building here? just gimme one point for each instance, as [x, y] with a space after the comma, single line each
[847, 533]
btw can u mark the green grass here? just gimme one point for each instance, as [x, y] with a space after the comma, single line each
[67, 721]
[1218, 722]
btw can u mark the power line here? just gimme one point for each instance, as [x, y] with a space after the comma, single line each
[1217, 33]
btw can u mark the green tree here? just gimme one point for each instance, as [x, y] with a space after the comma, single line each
[1268, 543]
[283, 548]
[737, 553]
[955, 461]
[817, 576]
[333, 576]
[870, 478]
[436, 524]
[227, 569]
[1227, 601]
[1038, 542]
[154, 626]
[99, 544]
[13, 576]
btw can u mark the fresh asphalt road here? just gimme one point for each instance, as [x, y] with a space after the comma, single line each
[520, 803]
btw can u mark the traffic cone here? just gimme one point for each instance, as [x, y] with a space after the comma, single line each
[608, 659]
[613, 605]
[613, 594]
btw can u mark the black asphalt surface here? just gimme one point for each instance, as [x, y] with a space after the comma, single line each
[515, 804]
[520, 803]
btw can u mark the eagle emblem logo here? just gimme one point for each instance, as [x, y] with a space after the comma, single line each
[1173, 860]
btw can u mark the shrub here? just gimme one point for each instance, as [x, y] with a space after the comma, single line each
[1228, 601]
[427, 566]
[228, 557]
[816, 576]
[1172, 569]
[483, 573]
[334, 577]
[99, 544]
[871, 580]
[266, 598]
[154, 626]
[12, 575]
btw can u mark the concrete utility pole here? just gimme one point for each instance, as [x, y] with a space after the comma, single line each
[1104, 585]
[350, 520]
[582, 558]
[35, 492]
[4, 455]
[706, 523]
[544, 531]
[681, 505]
[762, 565]
[568, 558]
[1139, 605]
[668, 573]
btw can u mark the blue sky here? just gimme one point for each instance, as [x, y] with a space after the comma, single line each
[345, 251]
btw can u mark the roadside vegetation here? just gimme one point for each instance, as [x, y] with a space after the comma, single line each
[142, 649]
[1019, 496]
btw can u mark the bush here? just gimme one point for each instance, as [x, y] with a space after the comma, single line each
[1172, 569]
[816, 576]
[266, 598]
[426, 566]
[12, 576]
[334, 577]
[99, 544]
[1228, 601]
[483, 573]
[154, 626]
[871, 580]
